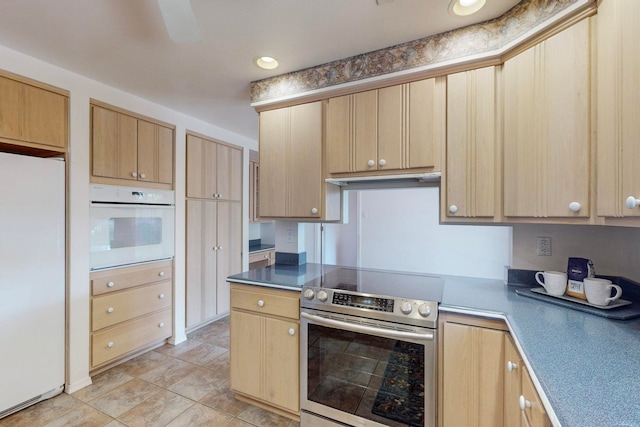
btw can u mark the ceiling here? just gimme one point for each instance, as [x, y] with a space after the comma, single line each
[124, 43]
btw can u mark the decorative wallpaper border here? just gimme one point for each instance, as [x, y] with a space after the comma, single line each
[464, 42]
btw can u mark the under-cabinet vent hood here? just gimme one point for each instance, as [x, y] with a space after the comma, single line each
[387, 181]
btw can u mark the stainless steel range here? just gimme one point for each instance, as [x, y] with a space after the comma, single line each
[368, 349]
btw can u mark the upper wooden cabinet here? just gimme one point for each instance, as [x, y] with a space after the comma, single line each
[213, 169]
[291, 165]
[471, 173]
[389, 129]
[32, 116]
[127, 150]
[547, 139]
[618, 147]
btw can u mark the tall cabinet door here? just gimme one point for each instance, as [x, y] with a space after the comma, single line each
[114, 144]
[228, 162]
[274, 158]
[201, 177]
[229, 250]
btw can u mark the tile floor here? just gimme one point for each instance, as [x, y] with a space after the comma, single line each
[173, 386]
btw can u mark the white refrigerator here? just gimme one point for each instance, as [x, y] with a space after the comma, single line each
[32, 280]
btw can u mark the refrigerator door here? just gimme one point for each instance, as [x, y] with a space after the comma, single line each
[32, 279]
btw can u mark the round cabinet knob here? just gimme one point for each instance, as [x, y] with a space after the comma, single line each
[322, 296]
[110, 310]
[511, 366]
[453, 209]
[143, 176]
[134, 174]
[524, 403]
[260, 303]
[314, 211]
[382, 162]
[632, 202]
[266, 257]
[161, 274]
[161, 296]
[574, 206]
[161, 325]
[110, 285]
[406, 308]
[309, 294]
[110, 344]
[424, 310]
[371, 163]
[292, 331]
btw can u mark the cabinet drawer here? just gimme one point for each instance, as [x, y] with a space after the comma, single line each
[127, 277]
[112, 308]
[261, 256]
[266, 301]
[534, 412]
[119, 340]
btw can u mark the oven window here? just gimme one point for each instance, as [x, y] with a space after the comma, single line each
[379, 379]
[125, 232]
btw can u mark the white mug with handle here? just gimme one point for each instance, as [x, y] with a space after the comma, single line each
[598, 291]
[555, 282]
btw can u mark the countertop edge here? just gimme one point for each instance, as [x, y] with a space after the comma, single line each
[265, 285]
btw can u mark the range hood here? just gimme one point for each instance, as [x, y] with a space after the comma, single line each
[387, 181]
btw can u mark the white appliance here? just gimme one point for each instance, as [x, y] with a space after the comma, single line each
[32, 280]
[130, 225]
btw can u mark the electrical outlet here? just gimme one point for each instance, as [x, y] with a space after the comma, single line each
[543, 246]
[289, 236]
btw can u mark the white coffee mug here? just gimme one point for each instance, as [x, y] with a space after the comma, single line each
[555, 282]
[598, 291]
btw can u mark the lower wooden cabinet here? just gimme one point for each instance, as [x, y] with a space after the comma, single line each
[261, 259]
[265, 347]
[131, 311]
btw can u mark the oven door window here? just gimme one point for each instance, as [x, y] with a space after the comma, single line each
[134, 231]
[375, 378]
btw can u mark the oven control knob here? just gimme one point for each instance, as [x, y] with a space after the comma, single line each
[406, 308]
[424, 310]
[322, 296]
[309, 294]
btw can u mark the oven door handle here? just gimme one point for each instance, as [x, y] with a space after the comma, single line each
[427, 336]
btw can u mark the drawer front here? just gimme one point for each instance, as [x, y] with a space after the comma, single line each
[261, 256]
[127, 277]
[266, 301]
[119, 340]
[112, 308]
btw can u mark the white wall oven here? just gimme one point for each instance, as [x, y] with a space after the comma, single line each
[130, 225]
[369, 358]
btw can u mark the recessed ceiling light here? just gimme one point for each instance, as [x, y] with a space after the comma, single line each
[266, 62]
[465, 7]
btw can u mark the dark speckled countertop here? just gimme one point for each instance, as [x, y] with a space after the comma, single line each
[585, 367]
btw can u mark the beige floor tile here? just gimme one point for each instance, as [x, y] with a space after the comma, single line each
[220, 364]
[239, 423]
[263, 418]
[123, 398]
[224, 400]
[103, 383]
[82, 416]
[42, 412]
[142, 364]
[176, 350]
[156, 411]
[169, 373]
[200, 415]
[202, 354]
[200, 383]
[115, 423]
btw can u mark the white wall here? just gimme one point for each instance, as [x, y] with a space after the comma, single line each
[81, 90]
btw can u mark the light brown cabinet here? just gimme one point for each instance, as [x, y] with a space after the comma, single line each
[389, 129]
[264, 347]
[131, 311]
[254, 192]
[547, 140]
[472, 171]
[513, 368]
[291, 165]
[262, 259]
[214, 251]
[618, 146]
[127, 150]
[212, 169]
[33, 116]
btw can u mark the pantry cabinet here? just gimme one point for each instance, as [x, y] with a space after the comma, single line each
[33, 116]
[472, 172]
[390, 129]
[131, 311]
[129, 150]
[264, 347]
[547, 140]
[618, 147]
[291, 170]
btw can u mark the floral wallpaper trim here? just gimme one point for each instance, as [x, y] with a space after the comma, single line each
[460, 43]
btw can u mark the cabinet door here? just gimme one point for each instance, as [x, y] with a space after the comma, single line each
[282, 363]
[114, 145]
[45, 117]
[229, 250]
[534, 414]
[618, 139]
[365, 131]
[155, 153]
[391, 125]
[10, 114]
[228, 172]
[473, 376]
[305, 178]
[546, 127]
[471, 144]
[512, 383]
[201, 175]
[274, 155]
[245, 351]
[339, 134]
[426, 113]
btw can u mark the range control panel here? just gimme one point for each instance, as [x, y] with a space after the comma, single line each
[369, 302]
